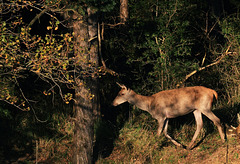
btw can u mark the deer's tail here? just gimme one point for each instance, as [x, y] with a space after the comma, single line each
[215, 94]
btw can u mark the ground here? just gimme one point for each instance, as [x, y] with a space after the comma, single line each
[208, 152]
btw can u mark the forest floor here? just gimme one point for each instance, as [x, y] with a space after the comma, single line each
[207, 152]
[134, 145]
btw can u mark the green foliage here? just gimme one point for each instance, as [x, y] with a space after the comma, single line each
[103, 5]
[45, 56]
[38, 71]
[231, 67]
[166, 41]
[162, 42]
[164, 38]
[5, 113]
[48, 53]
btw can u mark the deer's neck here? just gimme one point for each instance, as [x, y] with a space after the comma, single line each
[142, 102]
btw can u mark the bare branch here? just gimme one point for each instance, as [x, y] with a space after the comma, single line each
[174, 12]
[45, 12]
[217, 61]
[105, 69]
[13, 105]
[37, 17]
[114, 25]
[29, 103]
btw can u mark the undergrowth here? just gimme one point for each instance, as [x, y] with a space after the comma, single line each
[33, 142]
[133, 142]
[58, 148]
[138, 143]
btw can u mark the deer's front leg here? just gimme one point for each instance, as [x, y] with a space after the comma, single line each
[160, 126]
[168, 136]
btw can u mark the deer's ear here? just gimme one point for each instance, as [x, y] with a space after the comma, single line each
[121, 85]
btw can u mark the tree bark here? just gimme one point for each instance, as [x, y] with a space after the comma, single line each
[123, 11]
[94, 57]
[86, 96]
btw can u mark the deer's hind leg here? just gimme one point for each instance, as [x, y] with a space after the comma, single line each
[199, 123]
[216, 122]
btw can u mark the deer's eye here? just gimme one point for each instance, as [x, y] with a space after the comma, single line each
[121, 94]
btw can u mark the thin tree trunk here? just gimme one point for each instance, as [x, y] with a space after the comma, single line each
[123, 11]
[86, 53]
[94, 58]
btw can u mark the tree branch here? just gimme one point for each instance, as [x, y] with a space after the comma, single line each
[37, 17]
[44, 11]
[114, 25]
[13, 105]
[28, 102]
[104, 67]
[174, 12]
[217, 61]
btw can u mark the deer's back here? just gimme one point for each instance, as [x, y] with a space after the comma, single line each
[181, 101]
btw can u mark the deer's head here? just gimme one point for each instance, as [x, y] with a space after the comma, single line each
[123, 95]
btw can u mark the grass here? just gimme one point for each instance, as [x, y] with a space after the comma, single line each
[133, 142]
[142, 146]
[31, 142]
[137, 143]
[56, 149]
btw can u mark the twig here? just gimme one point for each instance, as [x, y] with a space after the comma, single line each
[60, 90]
[36, 151]
[42, 12]
[13, 105]
[29, 103]
[37, 17]
[174, 12]
[227, 151]
[114, 25]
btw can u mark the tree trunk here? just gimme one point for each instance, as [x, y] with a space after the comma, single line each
[123, 11]
[94, 58]
[86, 53]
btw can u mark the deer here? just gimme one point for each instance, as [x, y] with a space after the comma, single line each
[232, 131]
[168, 104]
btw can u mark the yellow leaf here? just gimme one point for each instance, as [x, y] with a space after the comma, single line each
[8, 97]
[39, 69]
